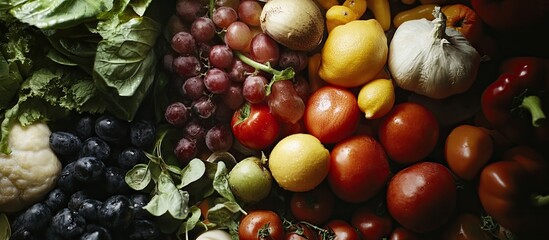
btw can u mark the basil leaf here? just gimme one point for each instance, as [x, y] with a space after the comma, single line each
[157, 206]
[140, 6]
[139, 177]
[5, 230]
[60, 13]
[178, 203]
[165, 183]
[225, 213]
[191, 222]
[174, 169]
[192, 172]
[221, 181]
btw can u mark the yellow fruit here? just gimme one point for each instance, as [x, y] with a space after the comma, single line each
[354, 53]
[339, 15]
[313, 64]
[327, 4]
[376, 98]
[358, 6]
[299, 162]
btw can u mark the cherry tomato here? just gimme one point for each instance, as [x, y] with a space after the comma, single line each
[254, 126]
[466, 226]
[301, 232]
[261, 224]
[331, 114]
[342, 230]
[315, 206]
[408, 133]
[467, 150]
[422, 197]
[372, 226]
[401, 233]
[359, 168]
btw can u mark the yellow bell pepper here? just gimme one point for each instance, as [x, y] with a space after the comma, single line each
[339, 15]
[382, 12]
[358, 6]
[419, 12]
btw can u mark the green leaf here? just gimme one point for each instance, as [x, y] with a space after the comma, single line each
[192, 172]
[5, 230]
[174, 169]
[139, 177]
[140, 6]
[178, 203]
[191, 222]
[59, 13]
[157, 205]
[165, 183]
[221, 181]
[225, 214]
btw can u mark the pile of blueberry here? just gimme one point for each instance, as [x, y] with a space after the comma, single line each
[91, 199]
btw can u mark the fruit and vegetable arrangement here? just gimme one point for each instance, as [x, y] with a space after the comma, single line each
[278, 119]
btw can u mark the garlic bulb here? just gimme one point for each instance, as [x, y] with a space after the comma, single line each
[296, 24]
[429, 59]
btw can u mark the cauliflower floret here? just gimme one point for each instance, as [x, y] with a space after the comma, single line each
[30, 171]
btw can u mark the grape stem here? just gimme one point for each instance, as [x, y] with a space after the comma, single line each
[286, 74]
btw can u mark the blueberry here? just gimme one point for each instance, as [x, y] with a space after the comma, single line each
[77, 199]
[142, 133]
[68, 224]
[89, 209]
[138, 201]
[115, 182]
[84, 127]
[96, 232]
[116, 212]
[88, 169]
[34, 219]
[66, 181]
[23, 234]
[131, 156]
[65, 143]
[143, 230]
[111, 129]
[56, 200]
[95, 147]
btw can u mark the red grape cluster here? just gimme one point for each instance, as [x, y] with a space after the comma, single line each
[214, 58]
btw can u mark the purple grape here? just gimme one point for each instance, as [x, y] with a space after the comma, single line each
[185, 150]
[177, 114]
[204, 107]
[253, 88]
[203, 29]
[217, 81]
[194, 87]
[219, 138]
[221, 56]
[186, 66]
[184, 43]
[240, 70]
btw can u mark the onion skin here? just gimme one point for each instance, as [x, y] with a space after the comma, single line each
[296, 24]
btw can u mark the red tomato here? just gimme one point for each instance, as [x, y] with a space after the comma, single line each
[331, 114]
[371, 225]
[422, 197]
[408, 133]
[301, 232]
[342, 230]
[401, 233]
[261, 224]
[254, 126]
[315, 206]
[467, 150]
[466, 226]
[359, 168]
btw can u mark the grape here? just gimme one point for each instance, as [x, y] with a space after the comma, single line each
[204, 107]
[37, 217]
[238, 36]
[177, 114]
[233, 97]
[203, 29]
[185, 150]
[64, 143]
[264, 49]
[219, 138]
[194, 87]
[249, 12]
[240, 70]
[143, 229]
[114, 181]
[284, 102]
[294, 59]
[142, 133]
[253, 88]
[129, 157]
[84, 128]
[183, 43]
[228, 3]
[116, 212]
[301, 86]
[217, 81]
[95, 147]
[68, 224]
[189, 10]
[224, 16]
[138, 201]
[111, 129]
[56, 199]
[186, 66]
[221, 56]
[195, 131]
[89, 209]
[87, 169]
[175, 25]
[204, 49]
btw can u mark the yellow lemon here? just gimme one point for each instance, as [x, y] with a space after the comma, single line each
[376, 98]
[299, 162]
[354, 53]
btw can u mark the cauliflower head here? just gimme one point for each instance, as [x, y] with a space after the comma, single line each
[30, 171]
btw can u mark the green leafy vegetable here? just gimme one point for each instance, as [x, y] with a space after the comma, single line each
[139, 177]
[221, 182]
[192, 172]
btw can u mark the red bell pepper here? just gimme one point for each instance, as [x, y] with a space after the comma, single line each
[511, 15]
[516, 103]
[515, 192]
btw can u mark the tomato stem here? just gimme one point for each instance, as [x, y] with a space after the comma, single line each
[540, 200]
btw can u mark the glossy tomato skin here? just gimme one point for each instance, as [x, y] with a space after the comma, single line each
[342, 230]
[314, 206]
[254, 126]
[422, 197]
[301, 232]
[408, 133]
[331, 114]
[371, 226]
[467, 150]
[401, 233]
[465, 226]
[261, 224]
[359, 168]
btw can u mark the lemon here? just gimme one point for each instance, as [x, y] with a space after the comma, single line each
[354, 53]
[299, 162]
[376, 98]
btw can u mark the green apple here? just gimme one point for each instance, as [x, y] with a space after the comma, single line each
[250, 181]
